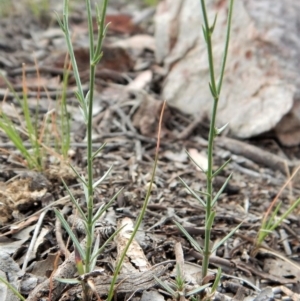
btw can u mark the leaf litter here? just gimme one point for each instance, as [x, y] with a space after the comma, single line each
[127, 99]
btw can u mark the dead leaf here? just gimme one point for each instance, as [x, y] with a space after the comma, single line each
[135, 259]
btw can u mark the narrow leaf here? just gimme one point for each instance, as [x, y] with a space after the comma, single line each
[221, 129]
[212, 28]
[197, 197]
[197, 290]
[102, 178]
[95, 251]
[99, 150]
[204, 34]
[221, 242]
[79, 98]
[210, 220]
[286, 214]
[70, 232]
[82, 215]
[200, 167]
[221, 190]
[193, 242]
[78, 261]
[103, 208]
[106, 243]
[12, 288]
[202, 192]
[213, 91]
[60, 23]
[86, 99]
[68, 281]
[97, 59]
[220, 82]
[221, 168]
[272, 218]
[79, 176]
[165, 286]
[217, 280]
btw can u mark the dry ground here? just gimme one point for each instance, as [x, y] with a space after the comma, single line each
[126, 118]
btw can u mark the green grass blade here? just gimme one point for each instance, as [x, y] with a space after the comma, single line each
[297, 203]
[193, 242]
[12, 288]
[217, 280]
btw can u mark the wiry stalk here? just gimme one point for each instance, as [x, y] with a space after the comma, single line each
[215, 91]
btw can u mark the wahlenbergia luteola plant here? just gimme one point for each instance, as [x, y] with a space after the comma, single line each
[211, 199]
[86, 255]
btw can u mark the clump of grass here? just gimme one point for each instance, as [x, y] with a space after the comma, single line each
[40, 135]
[270, 219]
[33, 157]
[211, 201]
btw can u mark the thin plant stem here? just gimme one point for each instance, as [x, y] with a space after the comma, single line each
[215, 91]
[90, 205]
[142, 214]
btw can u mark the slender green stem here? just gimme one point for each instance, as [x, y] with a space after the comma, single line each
[90, 28]
[215, 91]
[72, 55]
[90, 205]
[141, 216]
[226, 46]
[209, 46]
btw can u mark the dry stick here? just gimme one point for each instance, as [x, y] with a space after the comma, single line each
[33, 240]
[254, 153]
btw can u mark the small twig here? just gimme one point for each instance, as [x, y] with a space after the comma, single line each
[33, 240]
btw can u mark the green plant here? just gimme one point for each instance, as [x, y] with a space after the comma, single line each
[63, 140]
[151, 2]
[86, 255]
[211, 201]
[38, 7]
[271, 223]
[89, 253]
[33, 157]
[270, 220]
[178, 289]
[39, 137]
[12, 288]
